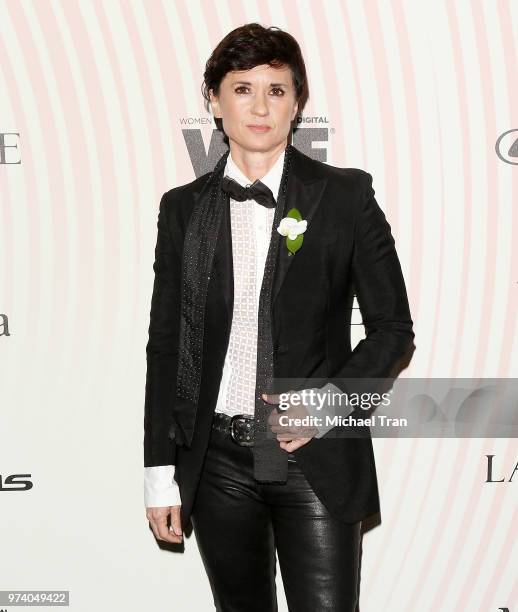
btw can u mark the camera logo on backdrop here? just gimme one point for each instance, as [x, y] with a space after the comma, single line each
[507, 147]
[9, 150]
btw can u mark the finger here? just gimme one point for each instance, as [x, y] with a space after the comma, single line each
[270, 398]
[273, 419]
[176, 522]
[284, 437]
[152, 518]
[154, 527]
[172, 537]
[276, 397]
[294, 432]
[306, 433]
[290, 445]
[165, 533]
[288, 435]
[294, 444]
[284, 431]
[278, 428]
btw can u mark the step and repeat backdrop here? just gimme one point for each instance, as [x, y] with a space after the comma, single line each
[100, 113]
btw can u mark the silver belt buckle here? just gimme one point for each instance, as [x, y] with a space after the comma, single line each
[249, 440]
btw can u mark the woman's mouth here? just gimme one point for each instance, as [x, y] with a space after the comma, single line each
[260, 129]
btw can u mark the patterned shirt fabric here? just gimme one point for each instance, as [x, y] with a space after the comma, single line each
[251, 226]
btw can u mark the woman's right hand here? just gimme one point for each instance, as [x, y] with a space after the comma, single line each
[157, 518]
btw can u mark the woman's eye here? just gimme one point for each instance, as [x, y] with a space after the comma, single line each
[240, 89]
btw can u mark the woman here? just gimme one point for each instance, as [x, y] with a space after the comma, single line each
[236, 305]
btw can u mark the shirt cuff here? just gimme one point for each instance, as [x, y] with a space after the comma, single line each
[160, 487]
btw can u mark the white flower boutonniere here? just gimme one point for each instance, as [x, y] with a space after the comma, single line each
[293, 226]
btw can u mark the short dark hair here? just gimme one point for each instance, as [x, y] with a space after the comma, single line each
[252, 45]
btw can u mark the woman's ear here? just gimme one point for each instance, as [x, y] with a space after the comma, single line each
[214, 102]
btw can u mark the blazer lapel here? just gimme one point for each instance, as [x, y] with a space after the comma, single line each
[223, 262]
[304, 192]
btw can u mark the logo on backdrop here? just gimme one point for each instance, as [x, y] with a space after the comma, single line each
[4, 325]
[496, 472]
[9, 152]
[506, 147]
[15, 482]
[310, 140]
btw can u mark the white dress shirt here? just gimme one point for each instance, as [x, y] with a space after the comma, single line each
[160, 488]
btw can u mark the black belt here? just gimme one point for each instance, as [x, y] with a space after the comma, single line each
[240, 427]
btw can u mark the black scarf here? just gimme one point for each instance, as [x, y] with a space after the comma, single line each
[270, 461]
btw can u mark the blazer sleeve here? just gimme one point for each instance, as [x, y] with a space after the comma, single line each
[162, 345]
[382, 297]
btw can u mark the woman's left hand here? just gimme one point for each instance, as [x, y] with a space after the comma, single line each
[290, 436]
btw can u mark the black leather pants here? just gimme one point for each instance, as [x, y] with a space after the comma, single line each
[239, 525]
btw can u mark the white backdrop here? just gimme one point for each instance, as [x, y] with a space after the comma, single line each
[100, 113]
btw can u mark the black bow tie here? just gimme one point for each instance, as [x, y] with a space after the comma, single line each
[257, 191]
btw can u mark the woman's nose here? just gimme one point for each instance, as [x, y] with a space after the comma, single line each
[259, 104]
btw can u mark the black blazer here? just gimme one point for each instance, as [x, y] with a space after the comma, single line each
[348, 249]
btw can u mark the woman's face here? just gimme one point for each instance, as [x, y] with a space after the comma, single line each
[256, 106]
